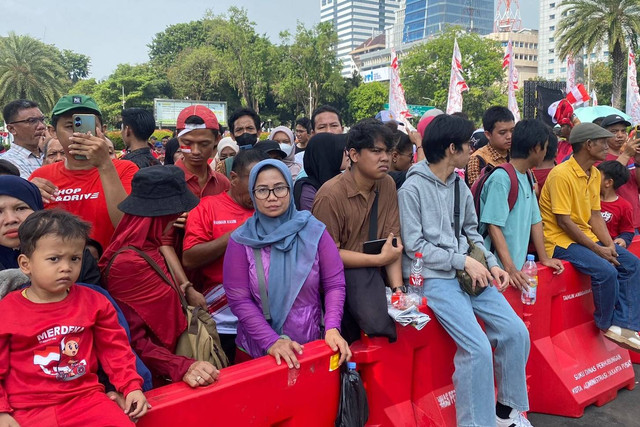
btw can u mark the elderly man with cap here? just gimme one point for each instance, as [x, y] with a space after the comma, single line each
[575, 231]
[89, 183]
[625, 150]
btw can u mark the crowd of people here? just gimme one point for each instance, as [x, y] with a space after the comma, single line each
[273, 237]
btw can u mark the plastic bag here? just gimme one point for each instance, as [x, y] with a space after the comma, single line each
[353, 409]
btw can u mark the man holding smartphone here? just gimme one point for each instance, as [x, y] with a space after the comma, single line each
[89, 183]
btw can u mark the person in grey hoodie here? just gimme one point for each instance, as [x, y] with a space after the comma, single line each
[426, 203]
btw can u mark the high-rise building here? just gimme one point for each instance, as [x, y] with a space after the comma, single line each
[550, 67]
[356, 21]
[525, 51]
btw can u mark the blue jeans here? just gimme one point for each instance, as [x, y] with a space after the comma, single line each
[616, 290]
[473, 377]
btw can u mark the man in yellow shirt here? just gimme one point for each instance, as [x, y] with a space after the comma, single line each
[575, 231]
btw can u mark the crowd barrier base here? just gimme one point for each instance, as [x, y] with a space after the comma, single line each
[258, 393]
[634, 248]
[409, 382]
[571, 364]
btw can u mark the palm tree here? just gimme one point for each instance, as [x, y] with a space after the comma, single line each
[29, 69]
[591, 23]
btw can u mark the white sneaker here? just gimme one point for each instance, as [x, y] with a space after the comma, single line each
[625, 338]
[516, 419]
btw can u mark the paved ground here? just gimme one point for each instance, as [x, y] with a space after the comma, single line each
[624, 411]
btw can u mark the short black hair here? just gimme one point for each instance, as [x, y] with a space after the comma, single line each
[401, 142]
[140, 121]
[8, 168]
[241, 113]
[55, 222]
[246, 157]
[598, 120]
[552, 146]
[613, 169]
[81, 110]
[11, 110]
[165, 137]
[445, 130]
[324, 109]
[366, 132]
[461, 114]
[527, 135]
[197, 120]
[305, 123]
[494, 115]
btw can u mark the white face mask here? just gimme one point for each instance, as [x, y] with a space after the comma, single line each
[286, 148]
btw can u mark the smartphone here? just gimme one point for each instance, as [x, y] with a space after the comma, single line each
[83, 123]
[374, 247]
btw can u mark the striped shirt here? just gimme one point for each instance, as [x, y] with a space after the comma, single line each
[25, 160]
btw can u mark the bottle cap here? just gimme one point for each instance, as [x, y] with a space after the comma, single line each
[418, 255]
[531, 257]
[351, 365]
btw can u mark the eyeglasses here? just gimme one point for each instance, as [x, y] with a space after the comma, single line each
[31, 121]
[263, 193]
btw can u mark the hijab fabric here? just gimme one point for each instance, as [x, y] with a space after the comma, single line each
[24, 190]
[293, 238]
[226, 142]
[290, 160]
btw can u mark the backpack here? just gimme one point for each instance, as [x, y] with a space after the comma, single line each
[476, 188]
[200, 341]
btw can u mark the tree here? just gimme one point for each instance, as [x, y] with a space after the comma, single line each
[426, 69]
[75, 64]
[168, 44]
[29, 70]
[590, 23]
[602, 81]
[84, 87]
[195, 73]
[367, 100]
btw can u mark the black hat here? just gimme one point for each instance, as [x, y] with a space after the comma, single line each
[614, 119]
[479, 139]
[158, 191]
[268, 146]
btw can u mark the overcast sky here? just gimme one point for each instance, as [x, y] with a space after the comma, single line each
[111, 32]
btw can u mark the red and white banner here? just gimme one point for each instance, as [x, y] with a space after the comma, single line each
[594, 98]
[512, 81]
[633, 97]
[578, 95]
[397, 101]
[457, 85]
[571, 73]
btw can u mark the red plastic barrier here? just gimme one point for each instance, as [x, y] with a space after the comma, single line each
[571, 364]
[409, 382]
[634, 248]
[254, 393]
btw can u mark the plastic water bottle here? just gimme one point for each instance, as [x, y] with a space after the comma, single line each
[415, 279]
[531, 270]
[351, 366]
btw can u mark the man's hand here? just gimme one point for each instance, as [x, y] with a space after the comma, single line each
[136, 405]
[201, 374]
[181, 221]
[501, 277]
[195, 298]
[608, 253]
[7, 420]
[480, 276]
[389, 252]
[286, 349]
[631, 147]
[48, 191]
[620, 242]
[554, 263]
[94, 148]
[517, 279]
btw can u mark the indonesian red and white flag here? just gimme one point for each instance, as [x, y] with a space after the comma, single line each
[571, 73]
[457, 85]
[578, 95]
[633, 97]
[594, 98]
[512, 81]
[397, 101]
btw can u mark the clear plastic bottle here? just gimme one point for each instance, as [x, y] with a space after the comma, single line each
[415, 279]
[531, 270]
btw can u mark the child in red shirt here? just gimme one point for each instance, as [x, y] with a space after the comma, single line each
[54, 333]
[616, 211]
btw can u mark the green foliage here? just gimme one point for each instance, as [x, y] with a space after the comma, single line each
[84, 87]
[367, 100]
[602, 81]
[195, 73]
[161, 133]
[75, 64]
[594, 21]
[426, 70]
[30, 69]
[116, 138]
[168, 44]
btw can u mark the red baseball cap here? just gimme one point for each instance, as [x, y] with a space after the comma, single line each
[208, 117]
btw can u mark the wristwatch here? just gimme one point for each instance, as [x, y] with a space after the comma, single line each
[402, 288]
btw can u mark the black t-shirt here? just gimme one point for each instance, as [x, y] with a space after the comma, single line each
[142, 157]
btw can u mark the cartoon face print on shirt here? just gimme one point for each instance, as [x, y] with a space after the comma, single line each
[62, 361]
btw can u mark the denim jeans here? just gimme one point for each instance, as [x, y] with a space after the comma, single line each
[616, 290]
[473, 377]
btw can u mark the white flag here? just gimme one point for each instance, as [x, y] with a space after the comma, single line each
[397, 102]
[571, 73]
[633, 97]
[457, 85]
[512, 81]
[594, 98]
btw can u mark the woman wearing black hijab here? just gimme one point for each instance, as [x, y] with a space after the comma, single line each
[324, 158]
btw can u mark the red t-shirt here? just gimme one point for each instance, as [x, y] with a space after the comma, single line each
[49, 352]
[216, 182]
[629, 190]
[564, 149]
[541, 176]
[213, 217]
[80, 192]
[617, 216]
